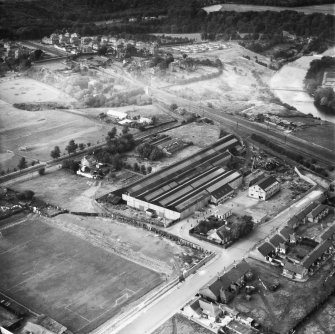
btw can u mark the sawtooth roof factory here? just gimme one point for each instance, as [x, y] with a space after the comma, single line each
[177, 191]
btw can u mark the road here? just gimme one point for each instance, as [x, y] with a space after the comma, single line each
[151, 317]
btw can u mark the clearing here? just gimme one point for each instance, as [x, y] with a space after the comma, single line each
[56, 273]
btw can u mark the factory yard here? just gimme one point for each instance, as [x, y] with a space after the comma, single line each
[282, 309]
[76, 283]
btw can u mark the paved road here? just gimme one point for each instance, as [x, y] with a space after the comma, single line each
[151, 317]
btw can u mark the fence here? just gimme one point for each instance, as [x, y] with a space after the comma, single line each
[198, 265]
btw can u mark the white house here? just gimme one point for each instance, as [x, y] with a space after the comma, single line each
[265, 188]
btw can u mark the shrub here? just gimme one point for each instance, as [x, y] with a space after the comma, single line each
[41, 171]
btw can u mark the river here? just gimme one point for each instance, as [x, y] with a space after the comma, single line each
[288, 85]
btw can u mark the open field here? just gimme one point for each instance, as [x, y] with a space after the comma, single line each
[67, 278]
[282, 309]
[40, 131]
[63, 189]
[322, 321]
[181, 325]
[25, 90]
[323, 9]
[199, 133]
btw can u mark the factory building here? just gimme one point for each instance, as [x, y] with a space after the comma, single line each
[179, 190]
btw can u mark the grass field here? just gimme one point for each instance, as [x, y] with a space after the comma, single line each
[25, 90]
[63, 189]
[72, 281]
[40, 131]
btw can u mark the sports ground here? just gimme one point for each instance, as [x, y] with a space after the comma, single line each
[57, 274]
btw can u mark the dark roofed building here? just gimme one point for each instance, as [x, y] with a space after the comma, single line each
[327, 234]
[267, 250]
[294, 270]
[221, 194]
[276, 240]
[286, 233]
[317, 253]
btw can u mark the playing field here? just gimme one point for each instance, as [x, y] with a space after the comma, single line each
[72, 281]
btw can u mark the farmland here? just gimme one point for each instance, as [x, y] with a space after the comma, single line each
[67, 278]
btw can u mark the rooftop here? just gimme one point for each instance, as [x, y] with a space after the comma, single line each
[266, 248]
[267, 182]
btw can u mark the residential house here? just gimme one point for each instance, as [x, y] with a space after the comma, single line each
[294, 270]
[224, 215]
[223, 288]
[279, 244]
[317, 255]
[221, 235]
[287, 232]
[293, 222]
[210, 309]
[302, 215]
[317, 214]
[267, 251]
[47, 40]
[265, 188]
[327, 234]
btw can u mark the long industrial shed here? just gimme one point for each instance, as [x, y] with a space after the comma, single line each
[177, 191]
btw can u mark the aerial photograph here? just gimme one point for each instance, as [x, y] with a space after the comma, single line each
[167, 166]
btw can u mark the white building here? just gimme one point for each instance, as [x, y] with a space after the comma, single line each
[117, 114]
[265, 188]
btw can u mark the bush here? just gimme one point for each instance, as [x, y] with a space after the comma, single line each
[26, 195]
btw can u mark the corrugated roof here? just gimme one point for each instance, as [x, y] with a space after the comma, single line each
[222, 191]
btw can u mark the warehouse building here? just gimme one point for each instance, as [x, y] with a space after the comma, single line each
[179, 190]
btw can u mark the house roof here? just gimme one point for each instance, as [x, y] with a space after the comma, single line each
[276, 240]
[294, 267]
[302, 214]
[315, 254]
[320, 208]
[266, 248]
[223, 232]
[267, 182]
[213, 288]
[237, 272]
[209, 308]
[286, 232]
[328, 233]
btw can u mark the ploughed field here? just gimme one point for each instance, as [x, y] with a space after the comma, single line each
[58, 274]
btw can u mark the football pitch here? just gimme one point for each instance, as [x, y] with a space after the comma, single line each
[57, 274]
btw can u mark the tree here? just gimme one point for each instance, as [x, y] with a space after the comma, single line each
[136, 167]
[81, 146]
[173, 107]
[102, 51]
[26, 195]
[125, 129]
[22, 163]
[41, 171]
[71, 147]
[143, 170]
[112, 133]
[156, 154]
[149, 169]
[55, 153]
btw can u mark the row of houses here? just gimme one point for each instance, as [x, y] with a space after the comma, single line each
[74, 43]
[279, 249]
